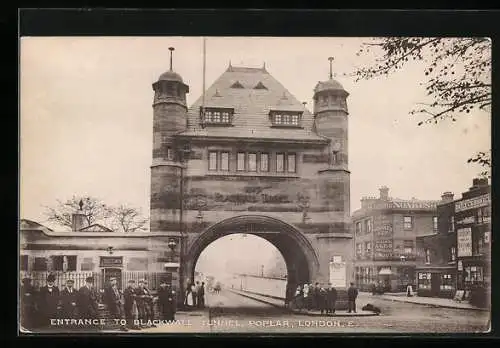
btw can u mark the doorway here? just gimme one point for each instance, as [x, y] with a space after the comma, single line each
[435, 284]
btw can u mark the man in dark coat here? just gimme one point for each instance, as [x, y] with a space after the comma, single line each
[69, 299]
[316, 298]
[148, 302]
[113, 301]
[166, 301]
[48, 301]
[331, 299]
[130, 305]
[141, 299]
[28, 304]
[322, 300]
[201, 296]
[87, 300]
[352, 294]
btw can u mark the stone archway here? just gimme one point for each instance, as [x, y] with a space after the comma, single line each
[299, 255]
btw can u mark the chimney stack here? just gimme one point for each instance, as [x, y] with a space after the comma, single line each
[78, 219]
[447, 197]
[384, 193]
[479, 182]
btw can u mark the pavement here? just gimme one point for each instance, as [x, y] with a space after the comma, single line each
[427, 301]
[279, 303]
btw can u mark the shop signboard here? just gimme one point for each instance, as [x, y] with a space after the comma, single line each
[472, 203]
[464, 242]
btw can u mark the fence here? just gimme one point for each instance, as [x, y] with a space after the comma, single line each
[39, 278]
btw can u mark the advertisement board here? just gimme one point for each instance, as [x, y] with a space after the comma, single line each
[464, 242]
[338, 274]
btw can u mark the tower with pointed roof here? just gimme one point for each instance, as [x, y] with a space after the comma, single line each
[331, 122]
[169, 119]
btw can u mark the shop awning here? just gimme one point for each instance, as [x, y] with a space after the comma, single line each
[385, 271]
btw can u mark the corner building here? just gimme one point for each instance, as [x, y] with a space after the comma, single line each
[248, 157]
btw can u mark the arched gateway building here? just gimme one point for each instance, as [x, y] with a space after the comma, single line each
[248, 157]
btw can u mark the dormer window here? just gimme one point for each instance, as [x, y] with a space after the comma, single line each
[237, 84]
[260, 85]
[217, 116]
[285, 119]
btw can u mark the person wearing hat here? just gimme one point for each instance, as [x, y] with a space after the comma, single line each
[27, 300]
[141, 300]
[69, 298]
[48, 301]
[87, 300]
[130, 305]
[166, 301]
[113, 300]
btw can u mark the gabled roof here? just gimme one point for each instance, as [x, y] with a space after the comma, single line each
[251, 107]
[95, 228]
[25, 224]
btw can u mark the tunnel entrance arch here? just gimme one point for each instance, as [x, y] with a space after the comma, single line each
[301, 260]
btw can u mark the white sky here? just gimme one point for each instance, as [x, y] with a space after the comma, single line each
[86, 115]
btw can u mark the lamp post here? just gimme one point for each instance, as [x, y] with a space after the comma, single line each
[184, 152]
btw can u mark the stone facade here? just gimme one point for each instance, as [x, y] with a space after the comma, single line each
[385, 231]
[248, 157]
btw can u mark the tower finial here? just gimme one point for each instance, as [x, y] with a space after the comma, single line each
[331, 60]
[171, 49]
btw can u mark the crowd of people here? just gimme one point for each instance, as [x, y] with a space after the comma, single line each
[135, 303]
[318, 298]
[195, 296]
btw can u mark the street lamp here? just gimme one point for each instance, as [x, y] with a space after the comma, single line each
[172, 244]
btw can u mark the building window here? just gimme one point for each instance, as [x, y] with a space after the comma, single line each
[368, 226]
[483, 215]
[280, 165]
[408, 247]
[424, 280]
[368, 248]
[408, 222]
[427, 256]
[170, 155]
[264, 162]
[451, 227]
[212, 160]
[40, 264]
[453, 254]
[224, 161]
[252, 162]
[358, 227]
[241, 161]
[446, 282]
[435, 223]
[64, 263]
[473, 274]
[87, 264]
[218, 116]
[478, 244]
[285, 119]
[359, 249]
[291, 162]
[23, 262]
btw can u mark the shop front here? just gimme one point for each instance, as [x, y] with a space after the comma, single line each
[475, 280]
[437, 282]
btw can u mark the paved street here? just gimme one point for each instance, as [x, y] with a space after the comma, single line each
[234, 313]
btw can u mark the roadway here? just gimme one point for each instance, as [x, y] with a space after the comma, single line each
[230, 312]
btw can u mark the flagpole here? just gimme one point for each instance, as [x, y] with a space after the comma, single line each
[204, 73]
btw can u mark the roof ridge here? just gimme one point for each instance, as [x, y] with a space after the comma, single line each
[245, 69]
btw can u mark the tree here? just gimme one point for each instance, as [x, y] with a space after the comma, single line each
[457, 75]
[93, 209]
[120, 218]
[127, 219]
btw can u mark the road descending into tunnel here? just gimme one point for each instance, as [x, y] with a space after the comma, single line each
[231, 312]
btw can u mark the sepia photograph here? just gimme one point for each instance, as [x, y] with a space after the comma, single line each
[189, 184]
